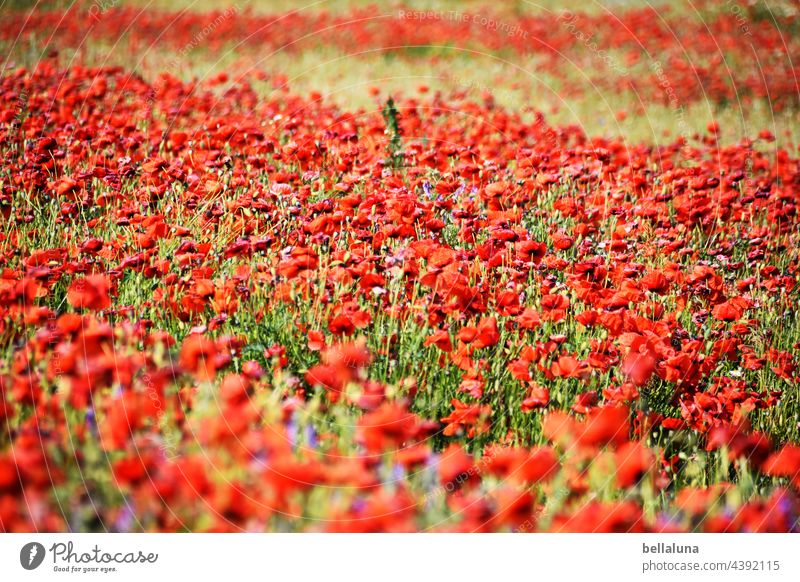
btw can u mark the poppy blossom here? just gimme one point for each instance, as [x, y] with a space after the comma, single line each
[606, 425]
[784, 463]
[450, 315]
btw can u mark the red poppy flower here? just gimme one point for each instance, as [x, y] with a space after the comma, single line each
[465, 416]
[784, 463]
[90, 292]
[199, 355]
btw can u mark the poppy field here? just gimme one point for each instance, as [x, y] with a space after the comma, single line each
[555, 293]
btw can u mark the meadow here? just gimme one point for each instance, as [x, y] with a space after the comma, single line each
[350, 267]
